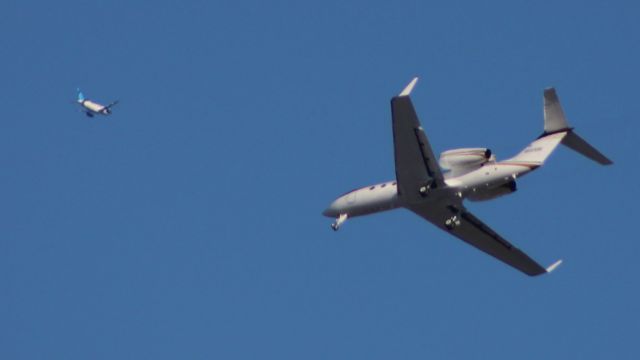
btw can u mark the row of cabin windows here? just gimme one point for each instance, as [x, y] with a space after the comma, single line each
[383, 185]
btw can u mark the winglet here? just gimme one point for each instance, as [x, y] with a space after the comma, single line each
[554, 266]
[407, 90]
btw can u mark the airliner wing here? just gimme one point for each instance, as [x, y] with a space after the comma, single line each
[416, 166]
[474, 232]
[112, 104]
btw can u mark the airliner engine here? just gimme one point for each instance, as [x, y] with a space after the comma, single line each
[461, 161]
[489, 194]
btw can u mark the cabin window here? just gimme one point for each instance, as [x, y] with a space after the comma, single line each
[383, 185]
[393, 183]
[371, 188]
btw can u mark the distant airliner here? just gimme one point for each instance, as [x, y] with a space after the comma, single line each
[473, 173]
[91, 108]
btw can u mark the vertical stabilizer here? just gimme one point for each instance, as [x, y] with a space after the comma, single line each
[554, 119]
[557, 131]
[80, 95]
[555, 122]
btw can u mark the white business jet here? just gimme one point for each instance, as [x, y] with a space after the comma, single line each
[422, 187]
[91, 108]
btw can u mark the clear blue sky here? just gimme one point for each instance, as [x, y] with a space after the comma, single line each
[187, 225]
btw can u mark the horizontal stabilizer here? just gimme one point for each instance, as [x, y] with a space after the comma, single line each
[578, 144]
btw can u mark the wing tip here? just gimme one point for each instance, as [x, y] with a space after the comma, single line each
[554, 266]
[407, 90]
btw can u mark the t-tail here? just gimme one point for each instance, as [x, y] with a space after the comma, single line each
[80, 96]
[557, 131]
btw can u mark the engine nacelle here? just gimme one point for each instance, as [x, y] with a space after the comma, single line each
[460, 161]
[488, 194]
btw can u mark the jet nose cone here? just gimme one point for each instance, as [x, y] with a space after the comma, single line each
[331, 211]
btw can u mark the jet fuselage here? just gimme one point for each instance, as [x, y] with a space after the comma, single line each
[384, 196]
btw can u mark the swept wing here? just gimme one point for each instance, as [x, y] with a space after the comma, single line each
[474, 232]
[416, 166]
